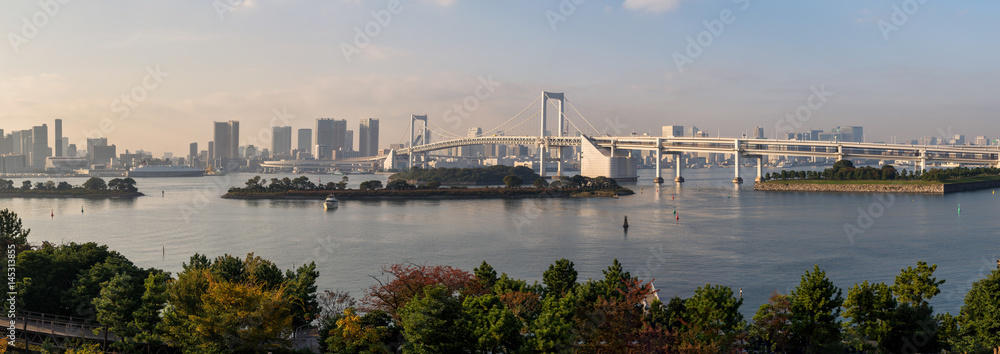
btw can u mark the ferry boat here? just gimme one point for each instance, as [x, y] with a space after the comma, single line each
[165, 171]
[330, 202]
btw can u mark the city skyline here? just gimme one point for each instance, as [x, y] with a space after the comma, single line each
[726, 66]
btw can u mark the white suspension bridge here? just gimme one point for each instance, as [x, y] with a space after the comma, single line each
[610, 156]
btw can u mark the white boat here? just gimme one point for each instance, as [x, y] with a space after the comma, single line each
[330, 202]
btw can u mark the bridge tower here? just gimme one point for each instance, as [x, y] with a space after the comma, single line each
[424, 134]
[542, 148]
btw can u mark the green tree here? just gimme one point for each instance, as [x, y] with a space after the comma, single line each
[715, 311]
[815, 307]
[979, 322]
[64, 186]
[915, 286]
[495, 328]
[435, 323]
[559, 278]
[153, 300]
[512, 181]
[117, 301]
[370, 185]
[540, 183]
[302, 294]
[485, 275]
[253, 184]
[26, 185]
[399, 185]
[871, 310]
[11, 230]
[95, 184]
[552, 331]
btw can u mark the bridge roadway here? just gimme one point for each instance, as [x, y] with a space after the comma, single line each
[747, 148]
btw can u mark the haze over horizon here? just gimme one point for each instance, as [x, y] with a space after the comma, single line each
[903, 69]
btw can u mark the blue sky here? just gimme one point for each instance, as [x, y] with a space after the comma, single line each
[935, 73]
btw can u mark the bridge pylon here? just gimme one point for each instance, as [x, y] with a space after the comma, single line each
[542, 148]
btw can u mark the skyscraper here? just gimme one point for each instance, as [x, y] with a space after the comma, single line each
[281, 141]
[193, 153]
[348, 140]
[368, 137]
[758, 133]
[339, 135]
[40, 146]
[305, 140]
[227, 138]
[59, 138]
[94, 142]
[324, 137]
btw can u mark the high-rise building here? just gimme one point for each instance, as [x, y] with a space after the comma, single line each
[227, 139]
[193, 153]
[65, 146]
[368, 137]
[6, 144]
[59, 138]
[15, 142]
[857, 133]
[211, 152]
[305, 140]
[349, 140]
[759, 133]
[339, 135]
[104, 154]
[281, 141]
[673, 130]
[40, 146]
[474, 150]
[325, 137]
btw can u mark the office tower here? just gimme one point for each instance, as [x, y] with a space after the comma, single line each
[673, 130]
[368, 137]
[227, 139]
[92, 143]
[324, 137]
[40, 146]
[71, 150]
[104, 153]
[349, 140]
[15, 142]
[59, 138]
[6, 144]
[281, 141]
[193, 153]
[211, 151]
[857, 133]
[473, 150]
[65, 146]
[759, 133]
[305, 140]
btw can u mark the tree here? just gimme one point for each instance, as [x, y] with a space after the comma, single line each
[430, 185]
[485, 275]
[360, 334]
[553, 329]
[915, 286]
[153, 300]
[435, 323]
[770, 324]
[409, 281]
[11, 231]
[206, 313]
[540, 183]
[399, 185]
[302, 293]
[815, 308]
[255, 184]
[63, 186]
[494, 327]
[715, 310]
[115, 305]
[871, 310]
[26, 185]
[559, 278]
[370, 185]
[512, 181]
[979, 323]
[95, 184]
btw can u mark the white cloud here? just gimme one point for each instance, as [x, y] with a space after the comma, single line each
[654, 6]
[444, 3]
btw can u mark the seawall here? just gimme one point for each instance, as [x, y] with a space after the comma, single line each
[876, 188]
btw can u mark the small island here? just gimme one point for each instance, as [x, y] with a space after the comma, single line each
[94, 187]
[844, 177]
[302, 188]
[480, 176]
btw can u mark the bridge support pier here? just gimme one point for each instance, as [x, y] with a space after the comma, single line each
[541, 160]
[760, 169]
[659, 157]
[678, 163]
[736, 158]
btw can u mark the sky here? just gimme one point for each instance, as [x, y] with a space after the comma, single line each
[155, 74]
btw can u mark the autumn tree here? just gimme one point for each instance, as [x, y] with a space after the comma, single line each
[406, 281]
[769, 331]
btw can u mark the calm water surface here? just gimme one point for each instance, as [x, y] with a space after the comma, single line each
[760, 242]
